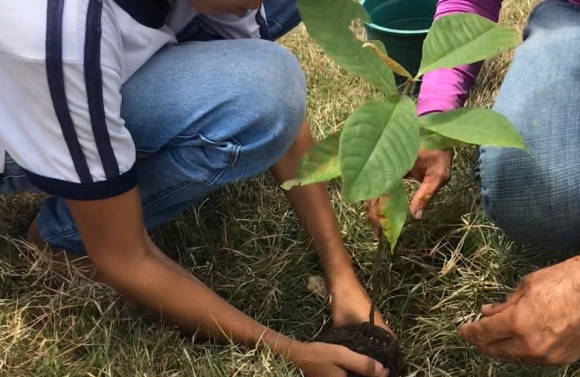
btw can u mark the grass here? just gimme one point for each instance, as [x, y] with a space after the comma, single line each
[245, 243]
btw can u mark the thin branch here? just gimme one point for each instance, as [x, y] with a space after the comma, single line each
[374, 278]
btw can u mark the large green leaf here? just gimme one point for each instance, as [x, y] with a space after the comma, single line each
[379, 145]
[394, 212]
[389, 212]
[474, 126]
[434, 141]
[464, 38]
[320, 164]
[328, 22]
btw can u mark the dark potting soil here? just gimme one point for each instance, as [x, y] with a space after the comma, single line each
[372, 341]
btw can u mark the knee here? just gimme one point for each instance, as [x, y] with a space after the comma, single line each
[274, 93]
[529, 200]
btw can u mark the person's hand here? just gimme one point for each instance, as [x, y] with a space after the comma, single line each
[329, 360]
[539, 324]
[350, 304]
[433, 169]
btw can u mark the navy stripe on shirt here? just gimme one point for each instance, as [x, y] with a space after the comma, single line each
[94, 84]
[150, 13]
[264, 31]
[56, 84]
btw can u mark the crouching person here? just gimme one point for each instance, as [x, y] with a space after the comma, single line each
[127, 112]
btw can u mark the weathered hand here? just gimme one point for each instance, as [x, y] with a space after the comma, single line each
[433, 169]
[539, 324]
[329, 360]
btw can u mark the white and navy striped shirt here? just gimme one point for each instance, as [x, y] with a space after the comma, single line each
[62, 65]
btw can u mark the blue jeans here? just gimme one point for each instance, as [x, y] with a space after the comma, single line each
[202, 115]
[535, 198]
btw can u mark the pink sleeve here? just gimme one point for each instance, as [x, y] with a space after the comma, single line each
[447, 89]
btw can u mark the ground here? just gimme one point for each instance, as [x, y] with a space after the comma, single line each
[245, 243]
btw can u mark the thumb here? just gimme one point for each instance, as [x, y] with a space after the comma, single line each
[498, 307]
[360, 364]
[431, 184]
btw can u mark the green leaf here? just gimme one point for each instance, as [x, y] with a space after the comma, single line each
[474, 126]
[379, 48]
[320, 164]
[393, 214]
[435, 142]
[328, 22]
[464, 38]
[379, 145]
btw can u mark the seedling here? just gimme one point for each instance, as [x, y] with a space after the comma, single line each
[380, 140]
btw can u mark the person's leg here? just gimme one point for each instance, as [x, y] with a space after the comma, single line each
[13, 180]
[202, 114]
[535, 198]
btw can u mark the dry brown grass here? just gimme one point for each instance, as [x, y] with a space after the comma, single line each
[244, 242]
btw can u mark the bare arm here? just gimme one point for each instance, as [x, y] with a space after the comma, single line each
[350, 303]
[313, 207]
[117, 243]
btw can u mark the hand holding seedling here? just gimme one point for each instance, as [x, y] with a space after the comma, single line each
[539, 323]
[432, 169]
[384, 140]
[329, 360]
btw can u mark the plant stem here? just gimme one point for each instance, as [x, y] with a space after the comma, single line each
[377, 263]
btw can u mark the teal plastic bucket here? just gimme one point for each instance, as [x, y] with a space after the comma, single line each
[402, 26]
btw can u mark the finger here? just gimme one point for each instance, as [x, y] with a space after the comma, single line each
[431, 184]
[360, 364]
[490, 329]
[498, 307]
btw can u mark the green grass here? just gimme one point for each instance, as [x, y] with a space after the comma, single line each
[245, 243]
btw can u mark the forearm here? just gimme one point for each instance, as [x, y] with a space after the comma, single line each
[128, 260]
[447, 89]
[313, 206]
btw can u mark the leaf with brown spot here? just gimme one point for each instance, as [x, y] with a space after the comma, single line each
[379, 49]
[388, 213]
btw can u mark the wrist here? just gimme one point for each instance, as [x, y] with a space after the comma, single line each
[290, 349]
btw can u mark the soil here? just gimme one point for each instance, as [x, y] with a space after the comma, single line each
[372, 341]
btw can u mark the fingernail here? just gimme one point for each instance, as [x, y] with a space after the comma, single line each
[419, 214]
[379, 369]
[486, 307]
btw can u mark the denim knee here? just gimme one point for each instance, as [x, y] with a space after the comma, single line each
[271, 101]
[529, 200]
[534, 196]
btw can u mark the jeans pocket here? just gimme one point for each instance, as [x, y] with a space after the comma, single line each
[203, 160]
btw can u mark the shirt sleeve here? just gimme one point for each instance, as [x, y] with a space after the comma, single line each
[447, 89]
[61, 101]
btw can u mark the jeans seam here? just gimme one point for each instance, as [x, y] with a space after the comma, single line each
[232, 161]
[163, 194]
[60, 234]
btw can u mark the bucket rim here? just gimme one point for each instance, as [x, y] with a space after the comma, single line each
[393, 31]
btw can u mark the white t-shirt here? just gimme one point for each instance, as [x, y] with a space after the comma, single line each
[62, 65]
